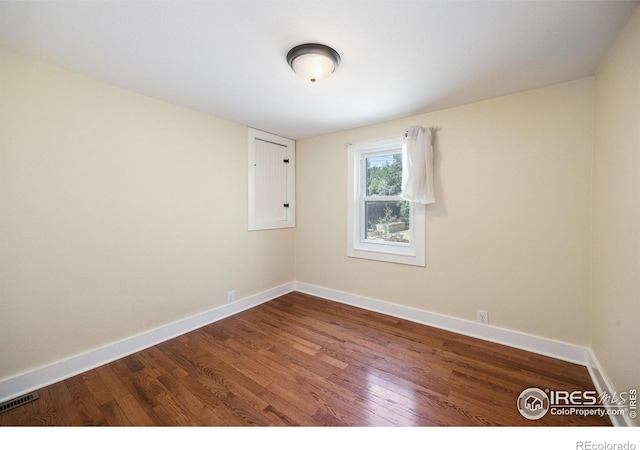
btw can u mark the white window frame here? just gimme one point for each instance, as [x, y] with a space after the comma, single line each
[412, 253]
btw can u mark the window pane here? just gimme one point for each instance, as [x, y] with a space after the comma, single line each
[387, 221]
[384, 174]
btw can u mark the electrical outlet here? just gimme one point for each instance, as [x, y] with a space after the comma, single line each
[483, 317]
[231, 296]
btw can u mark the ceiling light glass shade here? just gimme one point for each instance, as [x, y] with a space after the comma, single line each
[313, 62]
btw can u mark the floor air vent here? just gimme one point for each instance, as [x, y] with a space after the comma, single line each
[6, 406]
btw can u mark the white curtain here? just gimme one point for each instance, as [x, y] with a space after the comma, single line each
[417, 166]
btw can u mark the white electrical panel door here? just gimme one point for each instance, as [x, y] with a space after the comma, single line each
[271, 176]
[271, 181]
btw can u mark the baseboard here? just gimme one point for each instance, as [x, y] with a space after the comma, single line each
[543, 346]
[602, 384]
[36, 379]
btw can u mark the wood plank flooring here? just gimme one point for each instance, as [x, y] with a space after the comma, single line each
[303, 361]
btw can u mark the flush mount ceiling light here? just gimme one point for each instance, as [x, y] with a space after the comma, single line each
[313, 62]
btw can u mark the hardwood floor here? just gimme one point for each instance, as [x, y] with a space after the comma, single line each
[302, 361]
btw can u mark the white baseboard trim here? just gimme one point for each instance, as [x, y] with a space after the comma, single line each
[21, 384]
[602, 384]
[28, 382]
[543, 346]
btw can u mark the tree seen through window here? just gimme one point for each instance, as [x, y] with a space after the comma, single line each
[387, 216]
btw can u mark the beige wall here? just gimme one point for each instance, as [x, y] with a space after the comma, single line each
[118, 214]
[510, 230]
[615, 314]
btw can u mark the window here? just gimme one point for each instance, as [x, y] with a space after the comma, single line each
[382, 226]
[271, 198]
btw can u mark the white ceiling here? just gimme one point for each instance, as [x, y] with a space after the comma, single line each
[399, 58]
